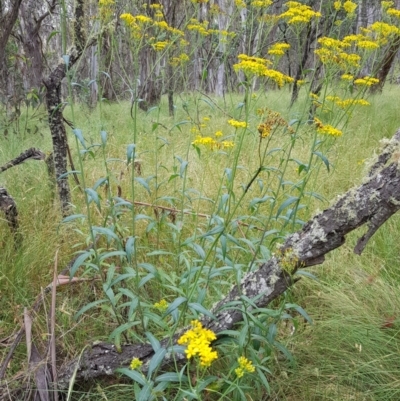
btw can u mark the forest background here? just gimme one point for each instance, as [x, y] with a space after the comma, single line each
[199, 135]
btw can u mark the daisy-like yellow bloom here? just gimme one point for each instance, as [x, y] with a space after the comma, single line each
[347, 77]
[384, 29]
[261, 3]
[162, 305]
[144, 19]
[135, 363]
[258, 66]
[237, 124]
[198, 340]
[159, 46]
[337, 5]
[182, 59]
[345, 103]
[326, 129]
[366, 81]
[393, 12]
[367, 44]
[278, 49]
[298, 13]
[245, 366]
[218, 134]
[349, 6]
[240, 4]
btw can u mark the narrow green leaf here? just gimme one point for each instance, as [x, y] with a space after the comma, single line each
[132, 374]
[156, 361]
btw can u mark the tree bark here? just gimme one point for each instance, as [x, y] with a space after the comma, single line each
[7, 22]
[9, 207]
[371, 203]
[54, 109]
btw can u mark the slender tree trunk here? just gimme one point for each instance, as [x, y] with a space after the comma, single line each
[7, 22]
[55, 117]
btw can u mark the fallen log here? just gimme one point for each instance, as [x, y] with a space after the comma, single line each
[371, 203]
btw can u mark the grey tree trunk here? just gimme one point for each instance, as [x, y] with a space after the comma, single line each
[7, 22]
[55, 116]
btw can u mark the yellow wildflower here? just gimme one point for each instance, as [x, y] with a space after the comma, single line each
[366, 81]
[240, 4]
[337, 5]
[385, 30]
[347, 77]
[393, 12]
[349, 6]
[218, 134]
[198, 340]
[162, 305]
[144, 19]
[237, 124]
[278, 49]
[244, 366]
[159, 46]
[135, 363]
[261, 3]
[326, 129]
[298, 13]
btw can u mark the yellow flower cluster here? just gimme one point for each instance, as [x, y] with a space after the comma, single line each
[278, 49]
[200, 27]
[362, 41]
[240, 4]
[384, 31]
[298, 13]
[345, 103]
[347, 77]
[326, 129]
[258, 66]
[198, 340]
[182, 59]
[139, 22]
[348, 6]
[211, 143]
[159, 46]
[237, 124]
[162, 305]
[366, 81]
[261, 3]
[135, 363]
[244, 366]
[332, 52]
[393, 12]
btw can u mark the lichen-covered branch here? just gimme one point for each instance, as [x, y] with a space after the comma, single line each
[371, 203]
[29, 154]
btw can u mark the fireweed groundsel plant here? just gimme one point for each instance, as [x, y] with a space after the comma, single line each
[198, 199]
